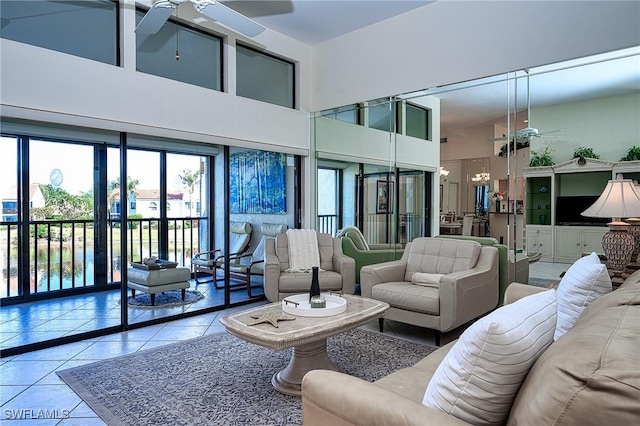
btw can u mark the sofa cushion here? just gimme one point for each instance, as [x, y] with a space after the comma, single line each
[409, 297]
[591, 375]
[585, 281]
[426, 279]
[479, 378]
[441, 256]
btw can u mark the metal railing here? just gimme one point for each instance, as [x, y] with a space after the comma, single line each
[327, 223]
[62, 253]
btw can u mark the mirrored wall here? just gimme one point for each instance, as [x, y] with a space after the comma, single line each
[555, 109]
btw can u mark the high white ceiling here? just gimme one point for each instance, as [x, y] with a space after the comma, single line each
[315, 21]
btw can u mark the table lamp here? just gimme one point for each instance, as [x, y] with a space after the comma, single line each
[619, 199]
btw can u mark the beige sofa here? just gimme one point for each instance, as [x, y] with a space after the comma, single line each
[590, 376]
[465, 285]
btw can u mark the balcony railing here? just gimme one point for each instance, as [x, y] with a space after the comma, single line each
[63, 255]
[327, 223]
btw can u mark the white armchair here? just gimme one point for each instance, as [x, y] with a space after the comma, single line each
[338, 274]
[438, 283]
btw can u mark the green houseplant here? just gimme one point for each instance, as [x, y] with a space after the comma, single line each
[518, 145]
[541, 158]
[583, 152]
[632, 155]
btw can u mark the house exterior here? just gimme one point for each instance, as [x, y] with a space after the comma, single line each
[9, 201]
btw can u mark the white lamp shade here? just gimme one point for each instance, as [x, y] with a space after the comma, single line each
[619, 199]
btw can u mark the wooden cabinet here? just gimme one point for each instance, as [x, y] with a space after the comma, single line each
[572, 241]
[540, 240]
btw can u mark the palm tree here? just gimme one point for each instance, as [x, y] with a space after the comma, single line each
[113, 187]
[190, 179]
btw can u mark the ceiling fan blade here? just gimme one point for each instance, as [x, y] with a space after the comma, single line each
[552, 131]
[230, 18]
[155, 18]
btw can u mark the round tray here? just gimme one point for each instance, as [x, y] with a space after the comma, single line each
[335, 305]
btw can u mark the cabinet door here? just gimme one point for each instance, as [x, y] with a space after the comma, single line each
[539, 241]
[545, 243]
[532, 242]
[568, 244]
[592, 240]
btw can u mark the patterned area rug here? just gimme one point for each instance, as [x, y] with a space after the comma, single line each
[220, 379]
[164, 300]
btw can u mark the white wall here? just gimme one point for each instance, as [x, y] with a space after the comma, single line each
[49, 86]
[451, 41]
[608, 125]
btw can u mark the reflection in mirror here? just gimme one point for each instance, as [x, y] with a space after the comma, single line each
[386, 160]
[592, 103]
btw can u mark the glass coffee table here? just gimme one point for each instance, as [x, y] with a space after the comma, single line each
[307, 335]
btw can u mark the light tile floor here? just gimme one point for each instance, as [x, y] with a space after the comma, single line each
[32, 394]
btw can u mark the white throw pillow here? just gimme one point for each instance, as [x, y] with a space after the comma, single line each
[585, 281]
[479, 378]
[427, 280]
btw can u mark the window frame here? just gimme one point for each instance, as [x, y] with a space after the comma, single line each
[294, 102]
[197, 29]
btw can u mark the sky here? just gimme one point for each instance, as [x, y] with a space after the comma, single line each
[76, 164]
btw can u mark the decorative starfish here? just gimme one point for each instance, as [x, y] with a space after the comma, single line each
[271, 317]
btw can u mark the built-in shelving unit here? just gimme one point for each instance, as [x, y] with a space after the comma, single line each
[538, 200]
[554, 199]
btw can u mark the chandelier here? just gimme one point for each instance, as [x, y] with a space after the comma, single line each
[481, 179]
[443, 174]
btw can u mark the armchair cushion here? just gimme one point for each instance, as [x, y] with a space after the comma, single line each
[440, 256]
[426, 279]
[204, 262]
[480, 377]
[410, 297]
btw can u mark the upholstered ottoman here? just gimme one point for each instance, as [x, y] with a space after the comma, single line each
[158, 281]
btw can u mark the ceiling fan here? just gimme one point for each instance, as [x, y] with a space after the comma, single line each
[529, 132]
[161, 10]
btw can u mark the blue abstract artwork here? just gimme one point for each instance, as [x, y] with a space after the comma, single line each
[258, 182]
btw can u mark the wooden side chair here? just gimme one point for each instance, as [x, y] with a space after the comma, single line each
[241, 270]
[211, 260]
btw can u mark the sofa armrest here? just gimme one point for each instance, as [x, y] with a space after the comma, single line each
[372, 275]
[271, 271]
[516, 291]
[332, 398]
[345, 266]
[468, 294]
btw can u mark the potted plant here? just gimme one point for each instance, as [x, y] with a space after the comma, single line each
[518, 145]
[541, 158]
[494, 198]
[583, 153]
[632, 155]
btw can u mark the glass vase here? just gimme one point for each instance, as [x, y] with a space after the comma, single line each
[315, 284]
